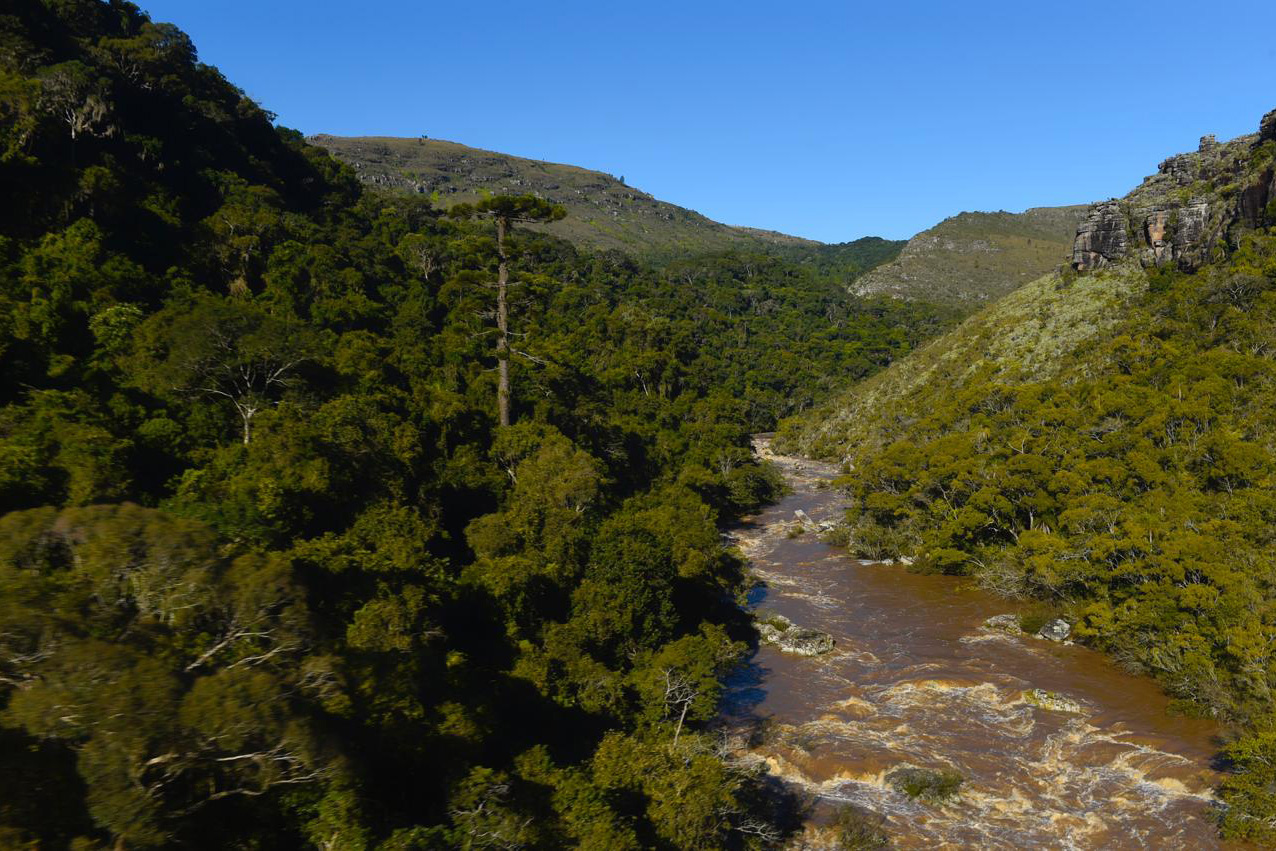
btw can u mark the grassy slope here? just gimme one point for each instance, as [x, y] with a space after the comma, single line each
[602, 211]
[1022, 337]
[973, 258]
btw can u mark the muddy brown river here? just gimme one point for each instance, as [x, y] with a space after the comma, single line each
[915, 679]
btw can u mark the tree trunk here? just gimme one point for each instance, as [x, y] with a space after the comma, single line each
[502, 325]
[681, 718]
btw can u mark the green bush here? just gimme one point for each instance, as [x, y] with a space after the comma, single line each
[855, 829]
[925, 784]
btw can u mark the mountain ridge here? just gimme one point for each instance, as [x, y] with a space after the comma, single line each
[604, 212]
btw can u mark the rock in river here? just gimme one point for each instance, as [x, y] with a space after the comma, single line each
[780, 631]
[1057, 630]
[1004, 623]
[1052, 700]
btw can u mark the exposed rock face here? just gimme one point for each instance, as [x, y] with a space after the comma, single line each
[1192, 204]
[1156, 235]
[1057, 630]
[1101, 237]
[1254, 199]
[1267, 127]
[1193, 238]
[780, 631]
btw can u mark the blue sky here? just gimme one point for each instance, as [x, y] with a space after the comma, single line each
[825, 120]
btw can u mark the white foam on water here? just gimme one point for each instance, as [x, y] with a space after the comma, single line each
[1039, 771]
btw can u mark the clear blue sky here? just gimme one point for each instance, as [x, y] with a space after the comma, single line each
[830, 120]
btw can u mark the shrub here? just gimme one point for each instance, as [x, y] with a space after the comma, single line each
[925, 784]
[859, 830]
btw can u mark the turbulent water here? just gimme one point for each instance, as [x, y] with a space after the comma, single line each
[916, 679]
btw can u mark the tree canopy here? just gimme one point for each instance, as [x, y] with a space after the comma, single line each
[271, 573]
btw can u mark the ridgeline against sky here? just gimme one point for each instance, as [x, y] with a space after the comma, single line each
[824, 120]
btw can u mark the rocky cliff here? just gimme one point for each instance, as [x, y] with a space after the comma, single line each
[1195, 204]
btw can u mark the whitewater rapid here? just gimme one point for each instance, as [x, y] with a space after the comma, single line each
[916, 679]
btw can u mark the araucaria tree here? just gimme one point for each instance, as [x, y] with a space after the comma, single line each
[505, 211]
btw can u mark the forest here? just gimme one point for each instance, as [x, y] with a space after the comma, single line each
[273, 571]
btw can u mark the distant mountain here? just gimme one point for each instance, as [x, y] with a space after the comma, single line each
[973, 258]
[603, 211]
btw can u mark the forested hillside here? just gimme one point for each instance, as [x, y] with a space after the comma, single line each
[271, 573]
[1103, 441]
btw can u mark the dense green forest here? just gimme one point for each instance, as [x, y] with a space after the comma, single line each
[1127, 481]
[271, 574]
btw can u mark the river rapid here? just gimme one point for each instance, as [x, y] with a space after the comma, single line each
[915, 679]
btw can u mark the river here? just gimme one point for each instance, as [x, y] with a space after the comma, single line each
[915, 679]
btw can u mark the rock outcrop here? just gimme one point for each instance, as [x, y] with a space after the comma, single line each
[1057, 630]
[1195, 202]
[1052, 700]
[1007, 623]
[781, 632]
[1267, 127]
[1101, 238]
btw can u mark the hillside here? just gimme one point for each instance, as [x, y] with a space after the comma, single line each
[973, 258]
[1022, 337]
[1101, 441]
[1196, 205]
[602, 211]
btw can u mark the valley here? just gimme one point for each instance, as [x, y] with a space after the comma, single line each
[382, 493]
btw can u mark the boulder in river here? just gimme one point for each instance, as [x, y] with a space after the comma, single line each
[1051, 700]
[1056, 630]
[780, 631]
[1004, 623]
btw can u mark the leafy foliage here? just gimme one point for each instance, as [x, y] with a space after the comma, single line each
[923, 783]
[859, 830]
[271, 575]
